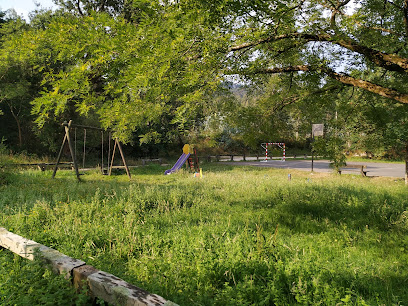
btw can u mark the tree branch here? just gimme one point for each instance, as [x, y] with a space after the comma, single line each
[291, 100]
[79, 8]
[335, 8]
[391, 62]
[343, 78]
[250, 44]
[405, 13]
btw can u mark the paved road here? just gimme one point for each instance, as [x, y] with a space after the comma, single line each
[373, 169]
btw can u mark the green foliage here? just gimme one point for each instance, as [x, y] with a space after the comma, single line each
[236, 236]
[149, 69]
[133, 77]
[16, 88]
[5, 174]
[23, 282]
[315, 34]
[372, 125]
[333, 148]
[332, 145]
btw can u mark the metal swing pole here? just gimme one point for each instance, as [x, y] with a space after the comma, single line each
[67, 128]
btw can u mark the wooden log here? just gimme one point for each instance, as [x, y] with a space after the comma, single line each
[17, 244]
[118, 292]
[144, 161]
[80, 276]
[101, 284]
[123, 158]
[60, 263]
[112, 289]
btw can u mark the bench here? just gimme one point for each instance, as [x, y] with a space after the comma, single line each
[158, 160]
[44, 166]
[360, 168]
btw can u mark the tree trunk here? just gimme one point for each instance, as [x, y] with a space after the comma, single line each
[20, 136]
[406, 163]
[406, 171]
[389, 61]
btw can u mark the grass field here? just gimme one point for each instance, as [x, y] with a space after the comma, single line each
[238, 236]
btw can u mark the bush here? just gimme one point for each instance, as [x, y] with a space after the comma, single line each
[4, 174]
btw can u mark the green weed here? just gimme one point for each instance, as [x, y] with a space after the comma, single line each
[237, 236]
[23, 282]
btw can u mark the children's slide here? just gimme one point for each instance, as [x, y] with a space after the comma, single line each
[181, 160]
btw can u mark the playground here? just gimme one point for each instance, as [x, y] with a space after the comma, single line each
[174, 153]
[250, 230]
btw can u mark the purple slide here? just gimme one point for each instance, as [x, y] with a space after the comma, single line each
[178, 164]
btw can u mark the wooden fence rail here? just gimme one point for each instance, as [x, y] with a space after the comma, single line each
[243, 157]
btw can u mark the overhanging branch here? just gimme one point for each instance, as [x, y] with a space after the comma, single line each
[391, 62]
[291, 100]
[343, 78]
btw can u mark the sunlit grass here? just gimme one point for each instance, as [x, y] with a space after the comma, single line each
[239, 235]
[371, 160]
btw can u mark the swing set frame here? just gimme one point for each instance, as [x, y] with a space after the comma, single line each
[67, 138]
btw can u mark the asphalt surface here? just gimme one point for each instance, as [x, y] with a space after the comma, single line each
[373, 169]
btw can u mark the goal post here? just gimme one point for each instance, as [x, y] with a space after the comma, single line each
[279, 144]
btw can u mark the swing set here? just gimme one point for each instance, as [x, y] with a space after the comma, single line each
[73, 148]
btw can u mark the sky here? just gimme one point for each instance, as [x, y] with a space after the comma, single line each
[23, 7]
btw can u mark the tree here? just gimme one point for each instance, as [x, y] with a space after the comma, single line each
[15, 85]
[381, 127]
[132, 11]
[323, 37]
[150, 77]
[85, 7]
[148, 66]
[2, 20]
[334, 43]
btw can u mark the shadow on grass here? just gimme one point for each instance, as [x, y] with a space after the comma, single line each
[313, 209]
[277, 279]
[304, 208]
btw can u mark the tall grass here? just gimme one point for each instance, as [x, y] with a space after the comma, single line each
[236, 236]
[27, 283]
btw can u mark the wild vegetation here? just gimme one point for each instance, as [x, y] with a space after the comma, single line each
[236, 236]
[225, 75]
[27, 283]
